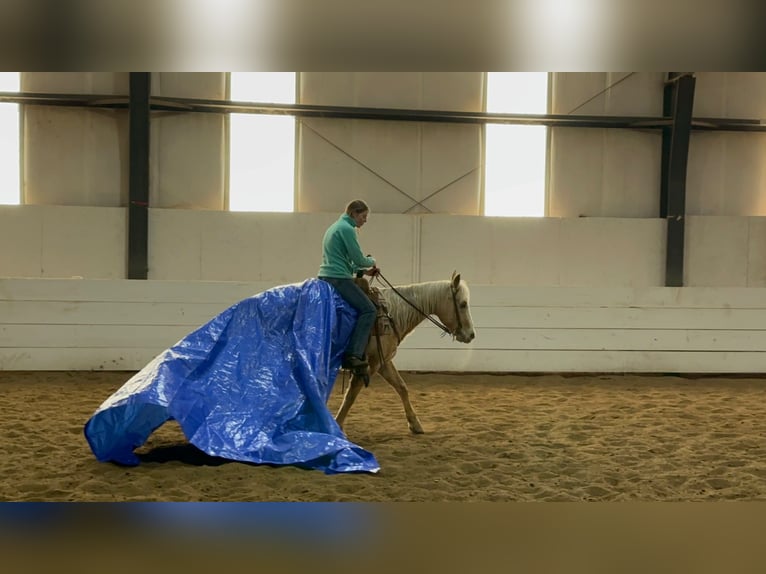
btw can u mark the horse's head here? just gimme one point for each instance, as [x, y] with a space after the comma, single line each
[456, 311]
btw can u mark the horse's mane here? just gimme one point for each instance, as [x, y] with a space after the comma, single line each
[426, 296]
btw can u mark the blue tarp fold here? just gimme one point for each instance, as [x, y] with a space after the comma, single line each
[250, 385]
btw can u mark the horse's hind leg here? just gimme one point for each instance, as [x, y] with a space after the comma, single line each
[354, 387]
[388, 371]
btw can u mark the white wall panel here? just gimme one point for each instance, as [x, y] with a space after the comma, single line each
[390, 150]
[640, 94]
[392, 166]
[467, 360]
[631, 174]
[450, 170]
[231, 247]
[56, 241]
[596, 93]
[21, 238]
[239, 246]
[291, 245]
[730, 95]
[275, 247]
[385, 162]
[756, 252]
[391, 239]
[187, 161]
[450, 243]
[75, 156]
[388, 89]
[326, 88]
[283, 248]
[576, 172]
[453, 91]
[619, 175]
[726, 171]
[744, 186]
[344, 164]
[121, 325]
[325, 172]
[570, 91]
[525, 251]
[520, 251]
[460, 197]
[175, 244]
[449, 91]
[716, 251]
[610, 251]
[48, 241]
[117, 290]
[604, 173]
[710, 94]
[745, 95]
[107, 83]
[706, 193]
[726, 174]
[86, 242]
[205, 85]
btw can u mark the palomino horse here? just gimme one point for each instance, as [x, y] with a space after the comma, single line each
[402, 309]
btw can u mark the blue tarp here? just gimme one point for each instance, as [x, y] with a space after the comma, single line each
[250, 385]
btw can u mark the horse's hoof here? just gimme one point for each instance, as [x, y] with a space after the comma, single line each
[417, 430]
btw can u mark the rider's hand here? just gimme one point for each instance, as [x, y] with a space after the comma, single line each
[372, 271]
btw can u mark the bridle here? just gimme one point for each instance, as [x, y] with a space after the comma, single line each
[436, 322]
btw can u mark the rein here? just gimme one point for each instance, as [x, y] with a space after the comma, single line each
[436, 322]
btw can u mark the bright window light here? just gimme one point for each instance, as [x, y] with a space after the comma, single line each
[515, 156]
[262, 147]
[10, 188]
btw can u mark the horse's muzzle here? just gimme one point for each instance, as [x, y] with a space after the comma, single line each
[465, 337]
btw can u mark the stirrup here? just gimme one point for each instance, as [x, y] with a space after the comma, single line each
[352, 363]
[364, 373]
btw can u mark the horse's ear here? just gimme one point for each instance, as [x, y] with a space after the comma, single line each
[455, 279]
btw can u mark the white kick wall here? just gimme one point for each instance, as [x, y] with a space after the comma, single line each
[581, 290]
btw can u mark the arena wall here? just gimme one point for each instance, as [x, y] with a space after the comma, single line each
[581, 290]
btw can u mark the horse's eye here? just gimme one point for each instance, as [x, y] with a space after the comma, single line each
[463, 305]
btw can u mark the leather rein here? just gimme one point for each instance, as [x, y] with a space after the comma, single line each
[436, 322]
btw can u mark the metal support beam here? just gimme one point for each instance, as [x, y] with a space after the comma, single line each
[193, 105]
[138, 202]
[678, 104]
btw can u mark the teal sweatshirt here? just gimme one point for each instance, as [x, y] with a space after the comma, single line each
[341, 254]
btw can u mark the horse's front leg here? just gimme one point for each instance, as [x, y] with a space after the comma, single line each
[348, 399]
[388, 371]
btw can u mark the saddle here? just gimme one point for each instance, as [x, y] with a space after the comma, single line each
[384, 324]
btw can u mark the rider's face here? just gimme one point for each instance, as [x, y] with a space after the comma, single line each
[360, 218]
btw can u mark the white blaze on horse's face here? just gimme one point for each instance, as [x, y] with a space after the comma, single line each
[461, 324]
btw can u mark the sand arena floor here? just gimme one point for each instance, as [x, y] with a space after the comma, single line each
[488, 438]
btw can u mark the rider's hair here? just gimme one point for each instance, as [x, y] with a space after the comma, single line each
[356, 206]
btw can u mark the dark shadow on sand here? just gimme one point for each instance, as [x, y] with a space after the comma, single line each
[186, 453]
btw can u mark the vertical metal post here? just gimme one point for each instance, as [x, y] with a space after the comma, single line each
[138, 202]
[679, 97]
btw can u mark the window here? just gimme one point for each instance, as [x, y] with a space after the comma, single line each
[10, 188]
[515, 156]
[262, 147]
